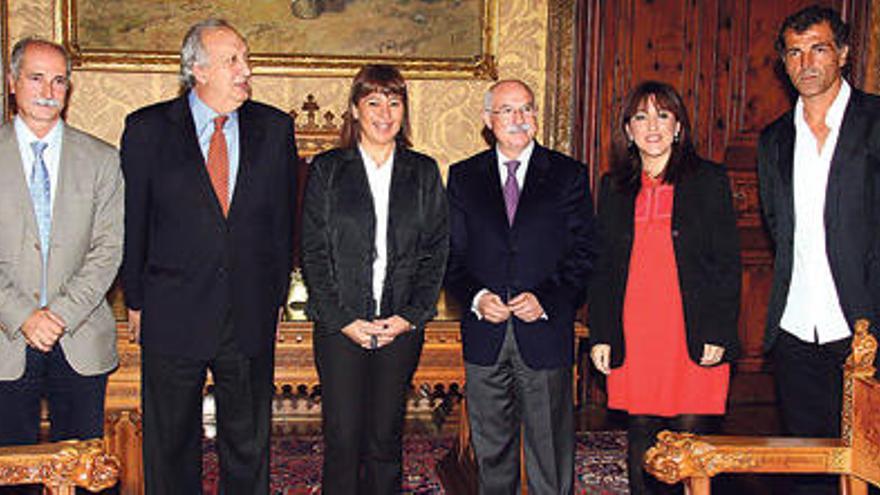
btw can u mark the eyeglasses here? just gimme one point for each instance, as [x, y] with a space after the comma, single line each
[506, 112]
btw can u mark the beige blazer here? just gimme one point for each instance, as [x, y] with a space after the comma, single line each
[85, 252]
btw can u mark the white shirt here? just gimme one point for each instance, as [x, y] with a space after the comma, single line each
[812, 310]
[379, 177]
[523, 158]
[51, 155]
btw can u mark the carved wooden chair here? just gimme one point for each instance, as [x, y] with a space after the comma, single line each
[61, 467]
[855, 456]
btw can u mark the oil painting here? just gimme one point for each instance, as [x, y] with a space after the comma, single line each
[430, 38]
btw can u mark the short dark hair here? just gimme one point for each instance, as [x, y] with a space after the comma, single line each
[626, 163]
[803, 19]
[375, 78]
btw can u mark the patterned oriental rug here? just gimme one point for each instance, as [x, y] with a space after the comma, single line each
[296, 464]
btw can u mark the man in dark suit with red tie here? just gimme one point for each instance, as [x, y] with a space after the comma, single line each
[522, 251]
[208, 226]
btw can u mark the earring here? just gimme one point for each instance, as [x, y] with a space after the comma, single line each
[676, 138]
[630, 142]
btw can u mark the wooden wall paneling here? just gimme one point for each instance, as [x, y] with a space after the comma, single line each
[858, 14]
[586, 82]
[634, 41]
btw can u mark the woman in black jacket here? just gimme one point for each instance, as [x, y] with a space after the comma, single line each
[665, 297]
[375, 239]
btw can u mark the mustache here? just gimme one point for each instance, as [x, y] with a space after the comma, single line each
[812, 72]
[517, 128]
[47, 102]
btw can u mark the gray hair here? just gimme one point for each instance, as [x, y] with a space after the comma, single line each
[193, 51]
[489, 96]
[18, 50]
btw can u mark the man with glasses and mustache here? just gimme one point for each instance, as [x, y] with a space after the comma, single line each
[208, 226]
[819, 173]
[522, 251]
[61, 217]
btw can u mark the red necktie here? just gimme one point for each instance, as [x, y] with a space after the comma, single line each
[218, 164]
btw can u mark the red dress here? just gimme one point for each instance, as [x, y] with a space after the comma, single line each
[657, 376]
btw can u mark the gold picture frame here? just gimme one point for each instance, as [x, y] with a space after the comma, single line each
[163, 56]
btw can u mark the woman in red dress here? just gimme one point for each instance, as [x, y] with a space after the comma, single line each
[665, 298]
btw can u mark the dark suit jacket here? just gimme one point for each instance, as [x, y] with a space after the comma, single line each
[548, 251]
[706, 245]
[852, 210]
[338, 240]
[186, 266]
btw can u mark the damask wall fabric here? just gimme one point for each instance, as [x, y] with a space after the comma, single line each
[445, 113]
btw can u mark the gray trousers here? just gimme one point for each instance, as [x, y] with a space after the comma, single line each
[508, 399]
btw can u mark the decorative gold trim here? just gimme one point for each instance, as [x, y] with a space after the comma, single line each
[106, 59]
[872, 59]
[864, 348]
[560, 75]
[4, 46]
[677, 456]
[859, 364]
[64, 464]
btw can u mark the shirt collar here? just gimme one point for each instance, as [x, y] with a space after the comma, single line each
[27, 136]
[371, 164]
[834, 115]
[203, 115]
[523, 157]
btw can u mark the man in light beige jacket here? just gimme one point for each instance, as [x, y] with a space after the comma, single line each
[61, 229]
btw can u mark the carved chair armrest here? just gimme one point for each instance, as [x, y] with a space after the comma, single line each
[681, 456]
[60, 465]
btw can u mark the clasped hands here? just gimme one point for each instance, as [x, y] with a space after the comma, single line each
[524, 306]
[364, 333]
[600, 354]
[42, 329]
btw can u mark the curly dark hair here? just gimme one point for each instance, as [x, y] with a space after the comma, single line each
[803, 19]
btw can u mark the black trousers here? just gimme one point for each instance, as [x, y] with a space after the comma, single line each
[363, 401]
[76, 402]
[172, 407]
[809, 384]
[641, 434]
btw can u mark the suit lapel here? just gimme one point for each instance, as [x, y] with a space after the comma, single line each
[357, 188]
[495, 194]
[404, 187]
[181, 117]
[785, 150]
[846, 150]
[785, 161]
[250, 133]
[67, 165]
[14, 173]
[539, 164]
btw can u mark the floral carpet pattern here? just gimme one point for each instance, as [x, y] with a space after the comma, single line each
[600, 461]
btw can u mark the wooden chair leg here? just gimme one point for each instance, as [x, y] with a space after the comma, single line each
[61, 490]
[698, 485]
[851, 485]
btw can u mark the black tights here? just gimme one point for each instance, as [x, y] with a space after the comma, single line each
[641, 435]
